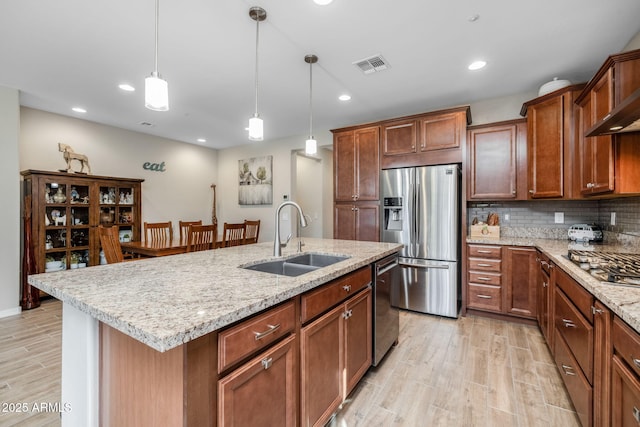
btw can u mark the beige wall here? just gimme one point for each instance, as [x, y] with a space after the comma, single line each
[10, 220]
[182, 192]
[633, 44]
[228, 208]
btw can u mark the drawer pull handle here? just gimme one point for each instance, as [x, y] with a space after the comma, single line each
[568, 370]
[266, 363]
[484, 265]
[484, 296]
[568, 323]
[347, 288]
[636, 362]
[480, 251]
[545, 284]
[636, 414]
[272, 329]
[484, 278]
[543, 262]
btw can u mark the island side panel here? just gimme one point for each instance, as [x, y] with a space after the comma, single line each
[139, 386]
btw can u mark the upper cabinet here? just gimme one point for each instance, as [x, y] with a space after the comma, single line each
[608, 162]
[357, 164]
[551, 143]
[497, 161]
[427, 139]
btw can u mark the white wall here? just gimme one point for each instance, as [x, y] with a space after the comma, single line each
[499, 109]
[10, 219]
[182, 192]
[228, 208]
[633, 44]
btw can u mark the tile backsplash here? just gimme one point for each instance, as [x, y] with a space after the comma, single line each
[538, 217]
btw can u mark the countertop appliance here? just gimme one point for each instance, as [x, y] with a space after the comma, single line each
[386, 318]
[421, 210]
[613, 267]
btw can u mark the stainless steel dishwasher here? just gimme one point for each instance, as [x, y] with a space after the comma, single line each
[386, 319]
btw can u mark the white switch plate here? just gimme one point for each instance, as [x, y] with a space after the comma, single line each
[559, 217]
[613, 218]
[507, 217]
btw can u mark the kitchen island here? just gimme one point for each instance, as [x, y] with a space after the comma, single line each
[168, 310]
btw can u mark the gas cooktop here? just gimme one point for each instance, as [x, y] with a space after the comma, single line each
[611, 267]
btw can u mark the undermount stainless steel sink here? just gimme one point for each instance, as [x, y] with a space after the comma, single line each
[297, 265]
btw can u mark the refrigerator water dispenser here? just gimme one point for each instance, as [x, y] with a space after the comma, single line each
[393, 213]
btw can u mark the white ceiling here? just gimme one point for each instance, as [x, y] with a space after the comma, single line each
[67, 53]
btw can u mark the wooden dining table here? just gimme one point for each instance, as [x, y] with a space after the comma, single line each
[155, 248]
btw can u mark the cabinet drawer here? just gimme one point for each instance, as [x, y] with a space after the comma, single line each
[485, 278]
[625, 392]
[242, 340]
[579, 389]
[479, 264]
[626, 343]
[576, 331]
[484, 297]
[582, 299]
[319, 300]
[483, 251]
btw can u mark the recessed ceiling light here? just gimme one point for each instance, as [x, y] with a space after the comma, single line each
[322, 2]
[476, 65]
[344, 97]
[126, 87]
[473, 18]
[201, 140]
[79, 110]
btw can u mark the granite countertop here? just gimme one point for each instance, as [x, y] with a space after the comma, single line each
[165, 302]
[621, 299]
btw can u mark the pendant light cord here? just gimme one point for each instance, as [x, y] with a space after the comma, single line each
[310, 100]
[156, 50]
[257, 40]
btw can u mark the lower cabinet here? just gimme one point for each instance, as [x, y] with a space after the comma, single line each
[502, 280]
[546, 288]
[262, 392]
[335, 354]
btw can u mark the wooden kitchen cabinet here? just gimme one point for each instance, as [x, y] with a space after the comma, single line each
[551, 143]
[356, 157]
[497, 161]
[519, 267]
[357, 221]
[608, 162]
[625, 375]
[603, 349]
[546, 289]
[263, 391]
[484, 285]
[436, 137]
[67, 208]
[333, 352]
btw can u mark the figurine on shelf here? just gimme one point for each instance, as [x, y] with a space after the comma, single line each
[69, 155]
[74, 195]
[59, 197]
[123, 198]
[112, 196]
[47, 195]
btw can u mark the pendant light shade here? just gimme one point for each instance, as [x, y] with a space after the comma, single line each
[256, 132]
[311, 146]
[156, 89]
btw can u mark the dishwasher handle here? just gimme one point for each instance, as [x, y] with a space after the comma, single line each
[382, 268]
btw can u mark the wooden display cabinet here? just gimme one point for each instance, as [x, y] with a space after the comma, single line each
[67, 208]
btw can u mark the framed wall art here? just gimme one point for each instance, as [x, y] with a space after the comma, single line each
[255, 181]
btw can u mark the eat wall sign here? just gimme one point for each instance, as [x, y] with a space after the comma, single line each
[156, 167]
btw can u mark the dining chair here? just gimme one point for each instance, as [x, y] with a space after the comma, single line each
[110, 242]
[252, 230]
[201, 237]
[157, 231]
[233, 234]
[184, 229]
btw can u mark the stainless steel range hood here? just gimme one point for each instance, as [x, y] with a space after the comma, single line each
[624, 118]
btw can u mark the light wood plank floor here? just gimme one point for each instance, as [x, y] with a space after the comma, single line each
[467, 372]
[472, 371]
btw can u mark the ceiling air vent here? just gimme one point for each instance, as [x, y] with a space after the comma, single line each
[372, 64]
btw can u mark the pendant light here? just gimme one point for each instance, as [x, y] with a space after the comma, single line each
[311, 146]
[255, 122]
[156, 89]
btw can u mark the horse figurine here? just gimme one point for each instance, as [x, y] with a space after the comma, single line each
[69, 155]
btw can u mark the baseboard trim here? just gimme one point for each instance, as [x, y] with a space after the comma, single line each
[10, 312]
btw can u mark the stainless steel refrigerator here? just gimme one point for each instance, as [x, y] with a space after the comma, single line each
[421, 210]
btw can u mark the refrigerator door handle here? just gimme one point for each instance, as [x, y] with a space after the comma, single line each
[425, 266]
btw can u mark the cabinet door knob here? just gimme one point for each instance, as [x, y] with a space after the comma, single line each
[530, 191]
[545, 284]
[266, 363]
[636, 414]
[513, 192]
[347, 288]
